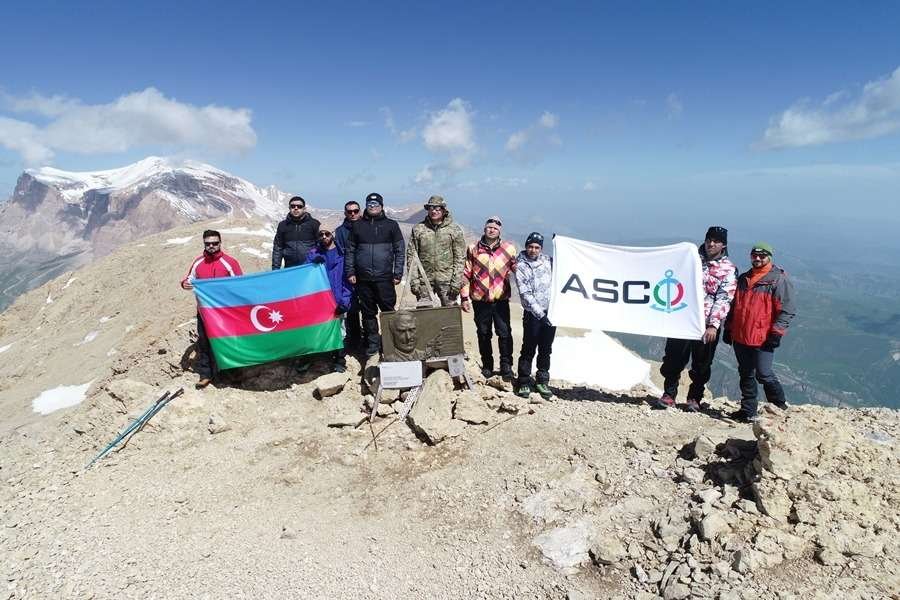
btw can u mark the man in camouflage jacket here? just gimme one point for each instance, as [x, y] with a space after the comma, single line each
[440, 245]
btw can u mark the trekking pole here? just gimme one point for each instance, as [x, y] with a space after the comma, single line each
[139, 422]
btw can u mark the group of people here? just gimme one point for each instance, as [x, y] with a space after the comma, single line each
[365, 258]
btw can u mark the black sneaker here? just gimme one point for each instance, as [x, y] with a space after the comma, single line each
[781, 405]
[487, 373]
[506, 373]
[743, 417]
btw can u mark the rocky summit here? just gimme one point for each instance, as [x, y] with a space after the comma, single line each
[272, 483]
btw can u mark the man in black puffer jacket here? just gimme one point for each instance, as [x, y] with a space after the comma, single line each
[373, 262]
[295, 236]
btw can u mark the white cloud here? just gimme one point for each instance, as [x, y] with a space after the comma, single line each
[674, 106]
[531, 145]
[590, 186]
[842, 116]
[450, 131]
[425, 176]
[145, 118]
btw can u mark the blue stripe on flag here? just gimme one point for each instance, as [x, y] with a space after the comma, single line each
[260, 288]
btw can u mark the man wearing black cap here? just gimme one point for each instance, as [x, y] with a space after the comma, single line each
[763, 309]
[295, 236]
[373, 263]
[719, 283]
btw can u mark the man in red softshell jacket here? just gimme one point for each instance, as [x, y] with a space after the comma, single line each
[212, 263]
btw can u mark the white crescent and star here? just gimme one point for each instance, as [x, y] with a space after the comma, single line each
[275, 317]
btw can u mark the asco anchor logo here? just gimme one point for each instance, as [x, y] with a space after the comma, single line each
[668, 293]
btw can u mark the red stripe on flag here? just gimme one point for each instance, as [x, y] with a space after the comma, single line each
[230, 321]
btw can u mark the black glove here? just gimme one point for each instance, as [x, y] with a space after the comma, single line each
[726, 336]
[772, 342]
[318, 259]
[340, 310]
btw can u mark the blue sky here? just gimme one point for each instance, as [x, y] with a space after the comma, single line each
[574, 117]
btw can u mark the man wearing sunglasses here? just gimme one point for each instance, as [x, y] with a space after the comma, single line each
[489, 263]
[295, 235]
[719, 283]
[763, 309]
[328, 253]
[373, 263]
[212, 263]
[352, 214]
[439, 245]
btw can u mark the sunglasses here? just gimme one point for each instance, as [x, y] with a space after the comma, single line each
[293, 206]
[351, 211]
[211, 243]
[759, 254]
[324, 234]
[495, 222]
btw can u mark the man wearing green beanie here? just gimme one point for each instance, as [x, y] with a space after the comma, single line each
[763, 309]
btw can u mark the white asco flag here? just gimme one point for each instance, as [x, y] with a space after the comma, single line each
[654, 291]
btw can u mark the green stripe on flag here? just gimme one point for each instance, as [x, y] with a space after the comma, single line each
[245, 350]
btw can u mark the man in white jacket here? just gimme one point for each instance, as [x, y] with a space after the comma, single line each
[533, 278]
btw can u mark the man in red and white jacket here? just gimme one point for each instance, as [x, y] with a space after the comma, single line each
[719, 285]
[212, 263]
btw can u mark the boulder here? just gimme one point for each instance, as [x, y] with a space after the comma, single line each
[703, 447]
[472, 409]
[217, 424]
[566, 548]
[712, 526]
[331, 384]
[608, 549]
[431, 416]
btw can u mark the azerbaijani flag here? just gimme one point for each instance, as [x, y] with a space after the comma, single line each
[268, 316]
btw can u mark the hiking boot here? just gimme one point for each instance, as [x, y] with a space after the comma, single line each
[664, 401]
[692, 405]
[781, 405]
[487, 373]
[544, 391]
[506, 373]
[204, 381]
[523, 391]
[743, 417]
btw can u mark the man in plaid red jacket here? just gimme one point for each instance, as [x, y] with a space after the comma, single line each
[489, 263]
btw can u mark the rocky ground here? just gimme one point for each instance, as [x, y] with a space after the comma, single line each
[270, 485]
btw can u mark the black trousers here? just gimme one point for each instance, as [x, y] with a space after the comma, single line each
[678, 353]
[206, 362]
[374, 296]
[496, 314]
[755, 365]
[354, 326]
[537, 334]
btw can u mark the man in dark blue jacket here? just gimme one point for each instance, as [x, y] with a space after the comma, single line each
[327, 252]
[295, 235]
[352, 214]
[374, 264]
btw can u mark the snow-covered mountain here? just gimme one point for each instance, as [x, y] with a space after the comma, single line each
[57, 220]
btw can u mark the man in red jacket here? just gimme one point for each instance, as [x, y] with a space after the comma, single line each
[763, 309]
[212, 263]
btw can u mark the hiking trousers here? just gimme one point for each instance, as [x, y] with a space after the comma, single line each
[353, 338]
[678, 354]
[537, 334]
[374, 296]
[496, 314]
[755, 365]
[206, 362]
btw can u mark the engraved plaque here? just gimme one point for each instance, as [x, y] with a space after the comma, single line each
[422, 334]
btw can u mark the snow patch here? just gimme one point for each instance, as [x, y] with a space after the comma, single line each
[598, 360]
[6, 347]
[266, 232]
[255, 252]
[896, 356]
[69, 282]
[63, 396]
[178, 241]
[90, 337]
[49, 299]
